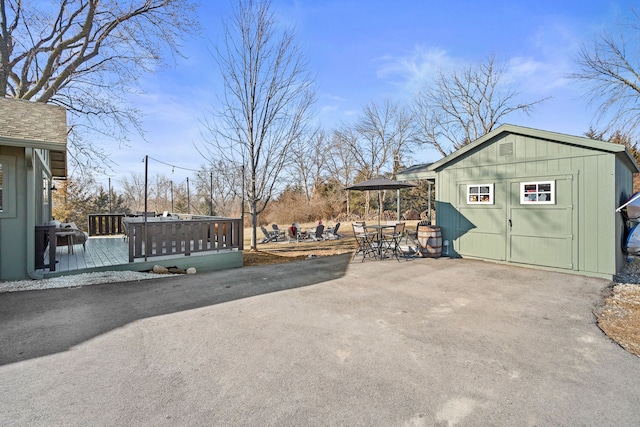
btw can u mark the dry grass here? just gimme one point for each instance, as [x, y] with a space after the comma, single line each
[280, 252]
[620, 317]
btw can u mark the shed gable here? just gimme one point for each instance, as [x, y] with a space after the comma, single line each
[510, 148]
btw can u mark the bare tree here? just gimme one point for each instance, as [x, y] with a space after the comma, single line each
[610, 69]
[380, 138]
[86, 56]
[221, 187]
[307, 162]
[382, 133]
[73, 200]
[133, 192]
[267, 101]
[463, 105]
[617, 137]
[340, 159]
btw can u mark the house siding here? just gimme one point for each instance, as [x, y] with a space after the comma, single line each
[29, 133]
[13, 229]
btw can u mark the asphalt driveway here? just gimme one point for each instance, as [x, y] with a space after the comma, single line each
[320, 342]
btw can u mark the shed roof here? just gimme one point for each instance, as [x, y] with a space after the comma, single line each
[36, 125]
[428, 170]
[414, 172]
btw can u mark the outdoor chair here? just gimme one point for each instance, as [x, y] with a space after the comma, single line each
[268, 236]
[365, 242]
[392, 240]
[332, 232]
[68, 234]
[302, 235]
[294, 234]
[279, 233]
[413, 235]
[319, 233]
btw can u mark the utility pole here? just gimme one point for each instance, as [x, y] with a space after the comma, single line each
[188, 197]
[146, 178]
[211, 194]
[242, 210]
[109, 196]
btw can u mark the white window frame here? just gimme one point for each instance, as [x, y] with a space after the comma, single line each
[538, 193]
[478, 191]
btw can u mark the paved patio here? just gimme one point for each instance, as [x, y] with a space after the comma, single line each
[319, 342]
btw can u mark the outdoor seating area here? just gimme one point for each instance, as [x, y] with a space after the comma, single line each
[296, 233]
[69, 235]
[137, 242]
[375, 241]
[379, 241]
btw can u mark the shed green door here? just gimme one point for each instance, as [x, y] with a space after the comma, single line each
[542, 234]
[480, 229]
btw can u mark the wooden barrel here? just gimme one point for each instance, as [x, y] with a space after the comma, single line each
[429, 241]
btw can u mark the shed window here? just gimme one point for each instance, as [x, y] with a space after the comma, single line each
[543, 192]
[480, 193]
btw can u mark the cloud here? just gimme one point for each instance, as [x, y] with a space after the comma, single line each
[536, 75]
[420, 65]
[543, 69]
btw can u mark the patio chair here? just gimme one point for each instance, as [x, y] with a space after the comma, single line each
[68, 234]
[301, 234]
[392, 240]
[279, 233]
[319, 233]
[294, 234]
[332, 233]
[268, 236]
[364, 241]
[413, 235]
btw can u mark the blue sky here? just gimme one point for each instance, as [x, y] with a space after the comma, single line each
[365, 50]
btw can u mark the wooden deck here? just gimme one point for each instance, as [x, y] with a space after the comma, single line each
[111, 253]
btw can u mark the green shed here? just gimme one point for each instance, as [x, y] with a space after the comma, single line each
[535, 198]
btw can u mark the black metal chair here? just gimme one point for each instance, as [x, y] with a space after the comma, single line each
[392, 241]
[413, 235]
[365, 242]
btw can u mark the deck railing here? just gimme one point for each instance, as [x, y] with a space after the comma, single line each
[105, 224]
[163, 236]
